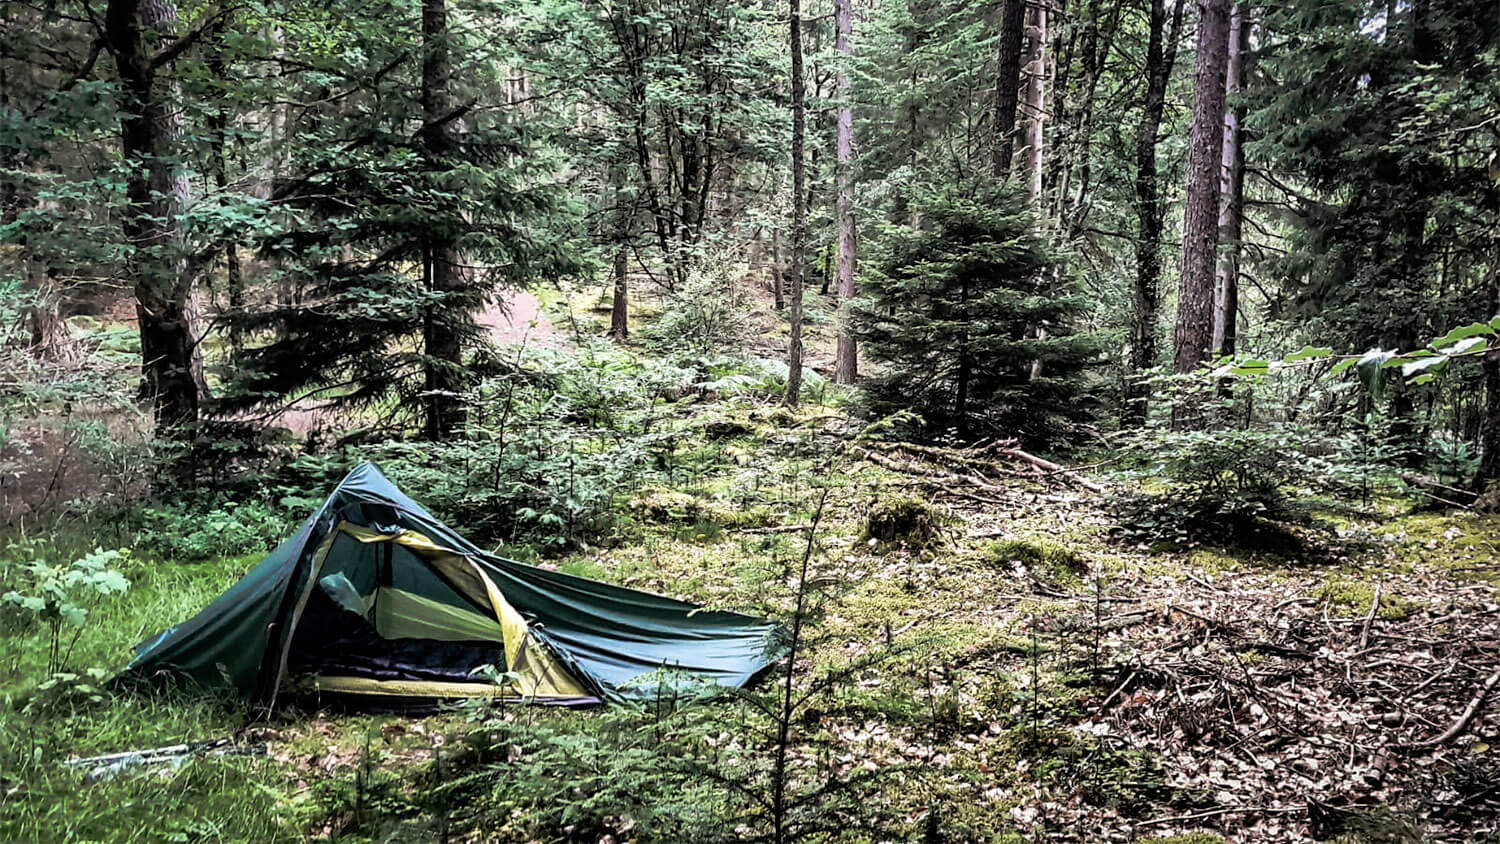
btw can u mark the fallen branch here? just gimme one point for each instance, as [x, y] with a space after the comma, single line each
[775, 529]
[1463, 720]
[1054, 468]
[1224, 810]
[1440, 492]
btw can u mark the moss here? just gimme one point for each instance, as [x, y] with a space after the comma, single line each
[1047, 562]
[1354, 597]
[902, 521]
[700, 516]
[1212, 562]
[726, 428]
[1466, 544]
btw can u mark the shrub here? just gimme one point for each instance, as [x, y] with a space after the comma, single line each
[191, 532]
[707, 314]
[54, 596]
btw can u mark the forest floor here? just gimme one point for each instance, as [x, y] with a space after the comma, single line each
[994, 657]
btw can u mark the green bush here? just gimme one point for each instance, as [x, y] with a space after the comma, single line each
[707, 314]
[191, 532]
[52, 597]
[972, 320]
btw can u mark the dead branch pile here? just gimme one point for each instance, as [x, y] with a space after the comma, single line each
[985, 473]
[1281, 717]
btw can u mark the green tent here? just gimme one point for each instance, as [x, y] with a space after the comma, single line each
[375, 600]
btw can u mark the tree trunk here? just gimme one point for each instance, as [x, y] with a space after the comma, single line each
[1033, 112]
[799, 211]
[1232, 189]
[1487, 478]
[1161, 54]
[778, 272]
[442, 339]
[51, 342]
[846, 356]
[155, 189]
[1008, 83]
[1200, 223]
[619, 309]
[218, 124]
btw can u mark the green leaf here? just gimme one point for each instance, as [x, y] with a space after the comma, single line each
[1308, 353]
[1250, 367]
[1437, 363]
[1473, 329]
[1343, 366]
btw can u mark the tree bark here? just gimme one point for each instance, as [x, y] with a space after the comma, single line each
[156, 188]
[778, 272]
[1200, 223]
[1232, 188]
[1161, 55]
[846, 355]
[1033, 112]
[619, 309]
[799, 211]
[1008, 83]
[442, 340]
[1487, 477]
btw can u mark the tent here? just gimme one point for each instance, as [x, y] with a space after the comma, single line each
[375, 600]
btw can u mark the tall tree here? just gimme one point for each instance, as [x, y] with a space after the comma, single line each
[799, 211]
[443, 372]
[1232, 188]
[846, 355]
[383, 193]
[1033, 110]
[1377, 134]
[1161, 55]
[1487, 474]
[1008, 82]
[140, 36]
[1200, 221]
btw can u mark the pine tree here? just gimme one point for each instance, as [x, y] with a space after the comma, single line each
[950, 309]
[376, 306]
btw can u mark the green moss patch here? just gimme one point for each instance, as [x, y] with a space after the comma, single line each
[1048, 563]
[902, 521]
[1353, 597]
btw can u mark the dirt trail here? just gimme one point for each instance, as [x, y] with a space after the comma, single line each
[517, 317]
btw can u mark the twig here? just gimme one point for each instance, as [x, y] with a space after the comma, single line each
[1364, 634]
[775, 529]
[1212, 813]
[1103, 705]
[1463, 720]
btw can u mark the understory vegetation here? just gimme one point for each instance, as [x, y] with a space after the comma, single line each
[1086, 415]
[992, 651]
